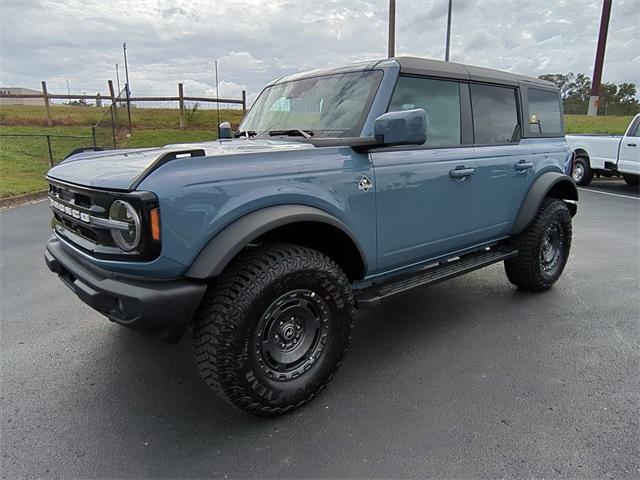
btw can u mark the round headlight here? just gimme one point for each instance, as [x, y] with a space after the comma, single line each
[126, 239]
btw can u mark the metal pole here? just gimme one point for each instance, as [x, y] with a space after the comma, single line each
[594, 98]
[93, 134]
[118, 79]
[392, 29]
[217, 97]
[127, 86]
[448, 41]
[113, 128]
[50, 151]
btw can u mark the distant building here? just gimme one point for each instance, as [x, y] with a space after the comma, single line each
[19, 101]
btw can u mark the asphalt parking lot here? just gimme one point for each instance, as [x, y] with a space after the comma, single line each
[466, 379]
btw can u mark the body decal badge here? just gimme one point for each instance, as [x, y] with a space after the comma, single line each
[365, 184]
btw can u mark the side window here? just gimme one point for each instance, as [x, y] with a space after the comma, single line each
[440, 99]
[544, 111]
[634, 131]
[495, 114]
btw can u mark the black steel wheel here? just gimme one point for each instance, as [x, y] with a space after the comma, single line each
[551, 250]
[273, 329]
[543, 248]
[291, 335]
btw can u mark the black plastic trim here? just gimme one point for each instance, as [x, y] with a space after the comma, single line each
[166, 158]
[439, 272]
[537, 193]
[215, 256]
[151, 306]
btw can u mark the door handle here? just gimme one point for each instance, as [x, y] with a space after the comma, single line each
[461, 172]
[522, 166]
[631, 144]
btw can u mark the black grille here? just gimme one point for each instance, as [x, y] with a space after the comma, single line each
[76, 210]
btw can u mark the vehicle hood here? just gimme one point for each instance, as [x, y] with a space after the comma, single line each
[122, 169]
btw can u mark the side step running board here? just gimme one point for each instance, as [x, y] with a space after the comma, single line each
[373, 294]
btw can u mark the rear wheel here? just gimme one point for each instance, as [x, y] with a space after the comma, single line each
[632, 180]
[582, 173]
[273, 329]
[543, 248]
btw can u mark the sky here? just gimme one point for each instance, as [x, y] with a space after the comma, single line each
[255, 41]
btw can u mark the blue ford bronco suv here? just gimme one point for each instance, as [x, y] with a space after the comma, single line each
[342, 187]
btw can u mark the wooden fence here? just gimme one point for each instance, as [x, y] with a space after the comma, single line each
[127, 99]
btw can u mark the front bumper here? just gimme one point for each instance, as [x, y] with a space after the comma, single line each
[149, 305]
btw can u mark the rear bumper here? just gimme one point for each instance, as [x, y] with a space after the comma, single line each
[151, 306]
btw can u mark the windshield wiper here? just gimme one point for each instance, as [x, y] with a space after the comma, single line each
[245, 133]
[294, 132]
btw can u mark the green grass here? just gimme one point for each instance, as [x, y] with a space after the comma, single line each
[141, 118]
[24, 161]
[585, 124]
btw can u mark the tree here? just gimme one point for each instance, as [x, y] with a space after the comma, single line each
[576, 88]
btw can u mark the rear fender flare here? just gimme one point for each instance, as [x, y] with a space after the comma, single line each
[563, 187]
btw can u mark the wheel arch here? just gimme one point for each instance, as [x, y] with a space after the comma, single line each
[299, 224]
[549, 184]
[582, 153]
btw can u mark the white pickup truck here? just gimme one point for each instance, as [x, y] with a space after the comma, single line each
[607, 155]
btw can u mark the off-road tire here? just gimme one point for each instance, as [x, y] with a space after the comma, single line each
[582, 173]
[528, 270]
[226, 334]
[632, 180]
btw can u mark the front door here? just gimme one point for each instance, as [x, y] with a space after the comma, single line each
[425, 195]
[629, 156]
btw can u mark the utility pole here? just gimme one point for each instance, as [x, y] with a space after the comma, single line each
[594, 98]
[118, 78]
[127, 86]
[392, 28]
[448, 42]
[68, 93]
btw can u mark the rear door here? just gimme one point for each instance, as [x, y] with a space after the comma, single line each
[505, 163]
[426, 195]
[629, 156]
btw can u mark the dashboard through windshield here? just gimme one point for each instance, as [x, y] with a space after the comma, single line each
[326, 106]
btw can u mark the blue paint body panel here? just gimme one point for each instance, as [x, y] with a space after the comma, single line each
[415, 212]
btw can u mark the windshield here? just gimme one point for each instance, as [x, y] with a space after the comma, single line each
[327, 106]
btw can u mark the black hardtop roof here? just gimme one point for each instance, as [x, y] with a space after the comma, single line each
[438, 68]
[428, 67]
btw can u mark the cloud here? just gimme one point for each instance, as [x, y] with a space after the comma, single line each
[255, 41]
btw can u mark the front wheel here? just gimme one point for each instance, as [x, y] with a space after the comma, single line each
[543, 248]
[273, 329]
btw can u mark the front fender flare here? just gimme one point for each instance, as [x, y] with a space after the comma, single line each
[225, 245]
[542, 186]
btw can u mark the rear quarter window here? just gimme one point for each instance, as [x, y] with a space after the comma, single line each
[545, 114]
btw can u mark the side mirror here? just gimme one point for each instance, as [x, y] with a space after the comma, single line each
[224, 131]
[406, 127]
